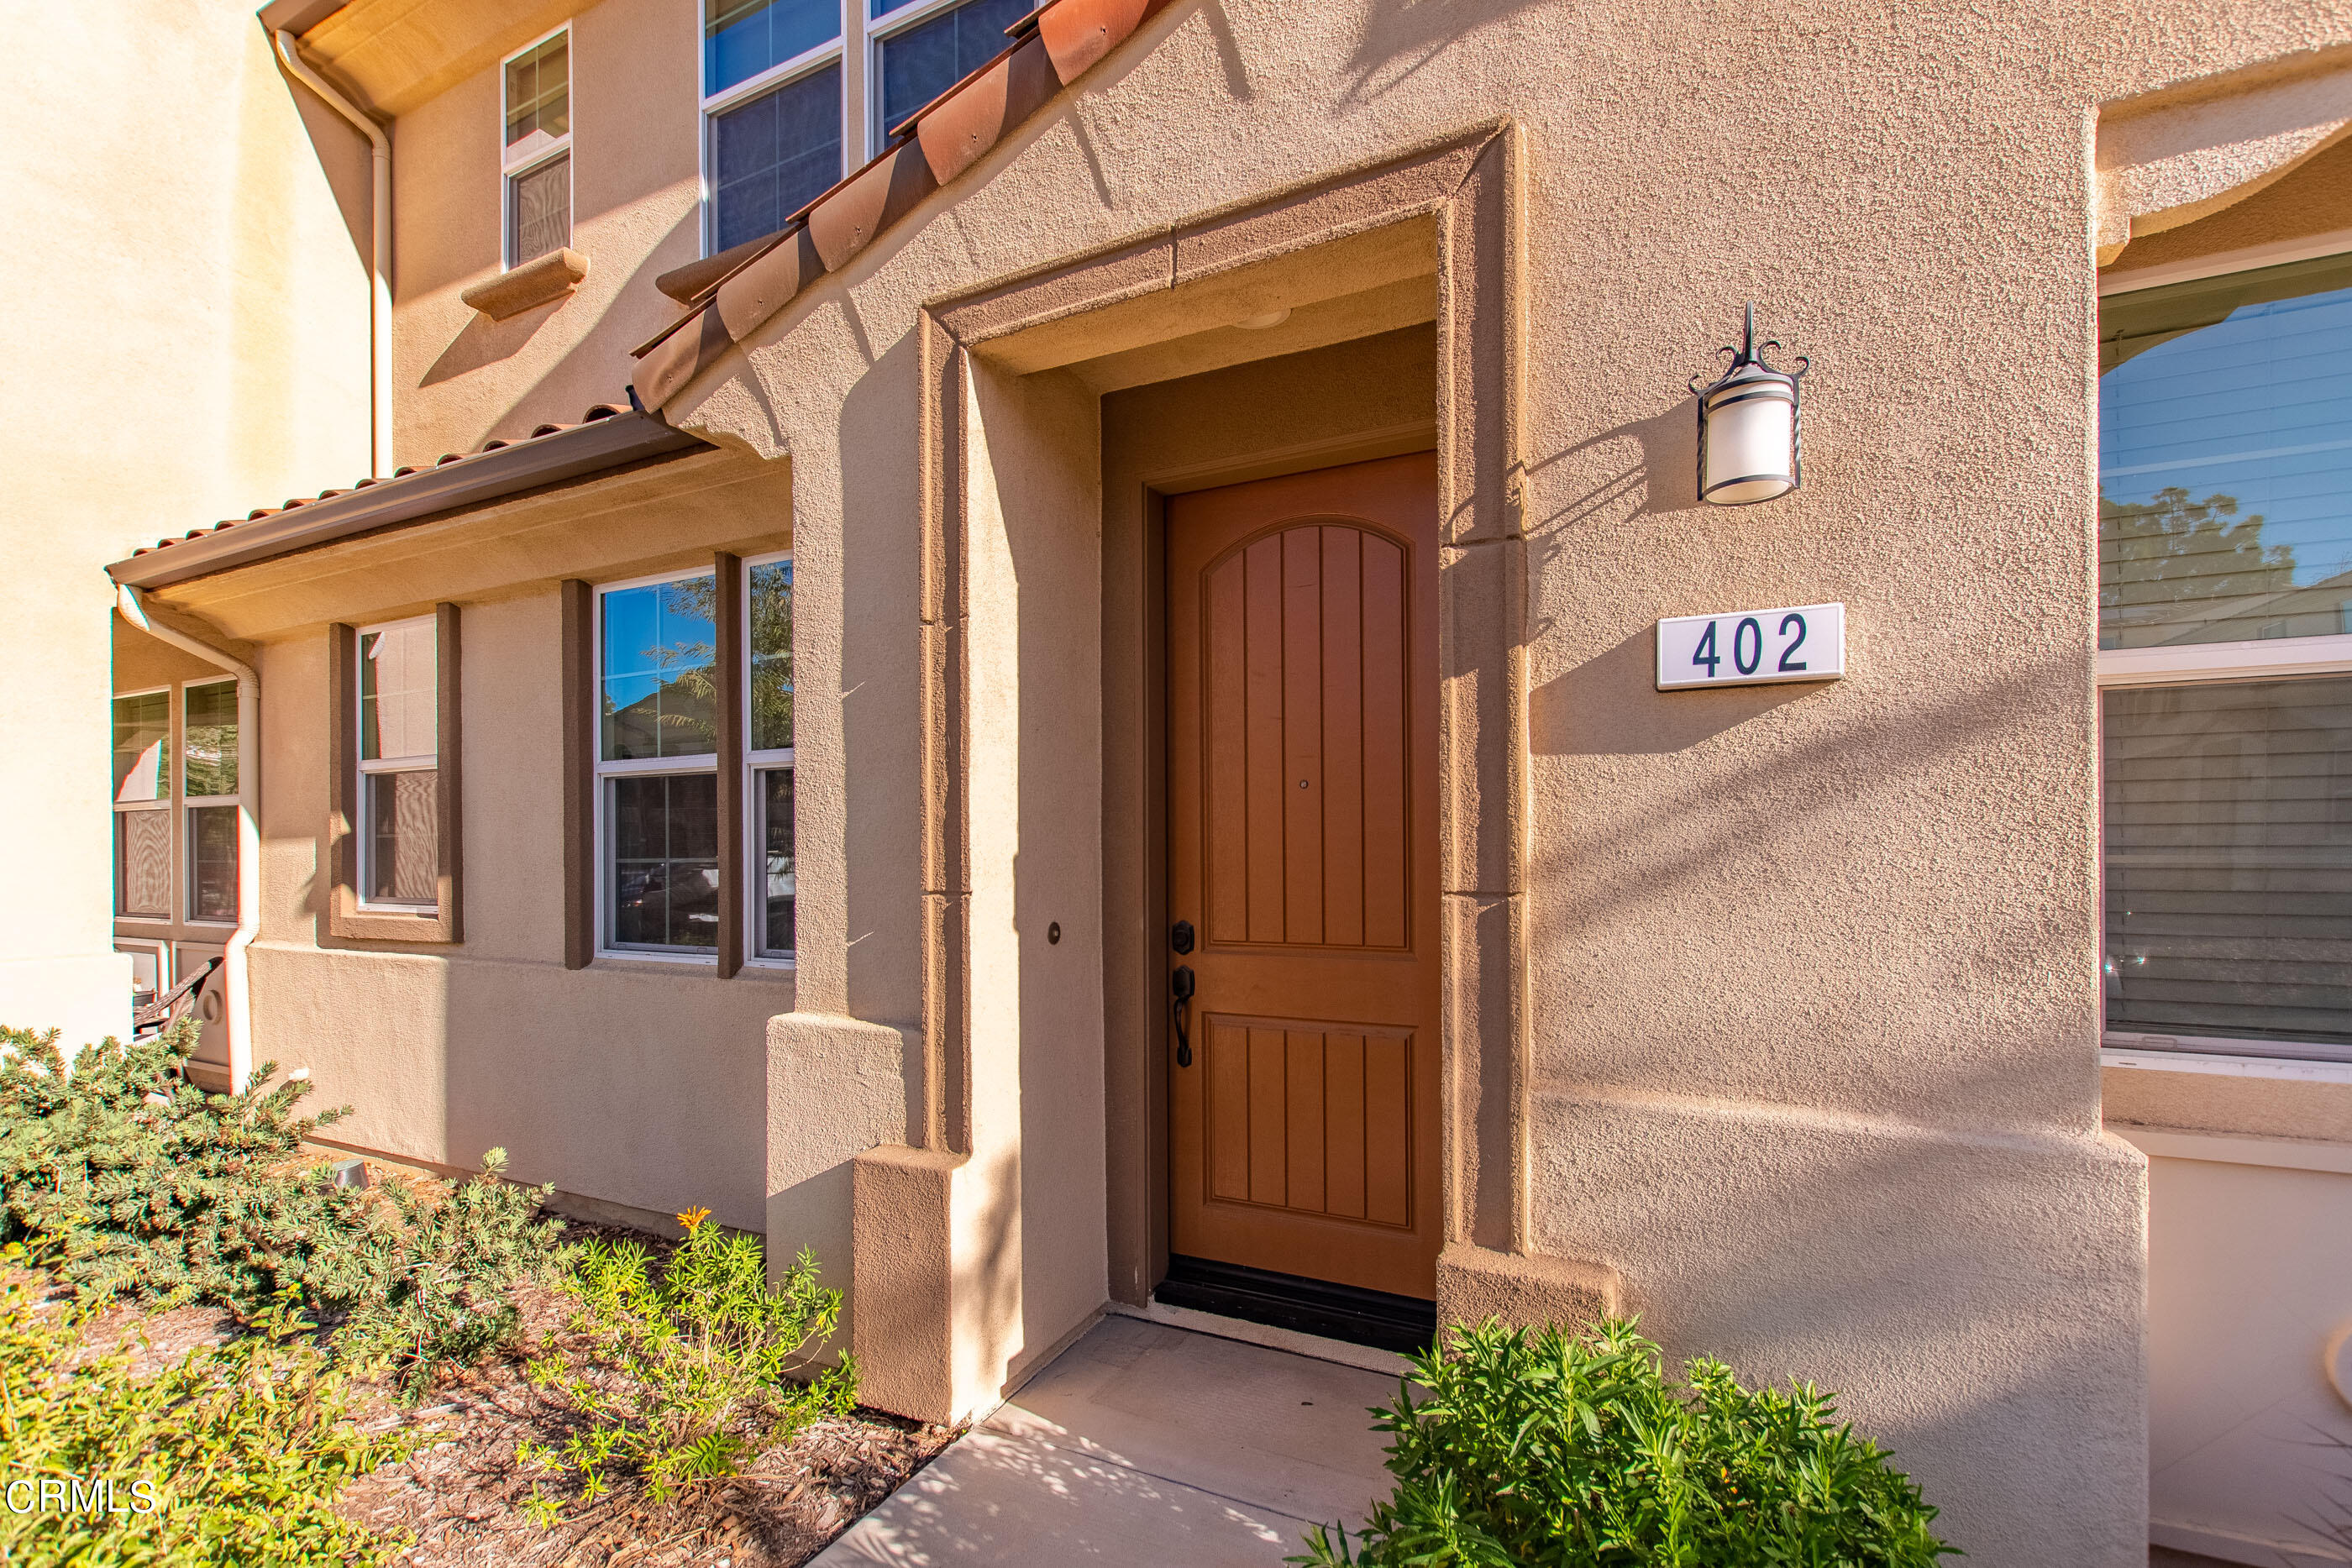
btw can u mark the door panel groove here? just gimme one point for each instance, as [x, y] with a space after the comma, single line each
[1302, 756]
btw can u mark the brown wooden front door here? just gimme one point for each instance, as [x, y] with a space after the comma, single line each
[1302, 633]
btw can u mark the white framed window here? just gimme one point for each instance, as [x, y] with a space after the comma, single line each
[770, 921]
[535, 155]
[210, 798]
[773, 133]
[398, 704]
[656, 805]
[142, 805]
[2225, 565]
[919, 48]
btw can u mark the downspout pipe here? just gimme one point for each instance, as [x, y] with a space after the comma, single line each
[380, 233]
[235, 990]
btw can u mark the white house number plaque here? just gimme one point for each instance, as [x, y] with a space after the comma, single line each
[1752, 647]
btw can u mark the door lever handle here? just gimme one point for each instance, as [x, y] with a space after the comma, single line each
[1180, 985]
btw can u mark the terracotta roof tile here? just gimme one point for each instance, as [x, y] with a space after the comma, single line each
[729, 295]
[597, 412]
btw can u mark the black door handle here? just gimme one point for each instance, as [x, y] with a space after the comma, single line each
[1181, 985]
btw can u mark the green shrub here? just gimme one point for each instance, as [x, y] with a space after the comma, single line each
[125, 1180]
[230, 1458]
[438, 1290]
[713, 1365]
[1573, 1450]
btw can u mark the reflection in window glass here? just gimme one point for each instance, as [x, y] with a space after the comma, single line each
[404, 830]
[538, 92]
[399, 669]
[142, 735]
[540, 215]
[931, 56]
[2229, 860]
[664, 871]
[769, 643]
[776, 801]
[772, 155]
[740, 38]
[212, 862]
[658, 695]
[143, 864]
[2225, 468]
[208, 745]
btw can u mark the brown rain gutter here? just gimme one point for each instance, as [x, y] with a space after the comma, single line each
[485, 477]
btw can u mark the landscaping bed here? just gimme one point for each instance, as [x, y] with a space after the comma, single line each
[290, 1369]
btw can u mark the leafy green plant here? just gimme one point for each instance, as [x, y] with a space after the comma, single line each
[438, 1291]
[122, 1177]
[1574, 1451]
[125, 1180]
[710, 1365]
[230, 1458]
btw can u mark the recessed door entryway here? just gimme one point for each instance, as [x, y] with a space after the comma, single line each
[1302, 649]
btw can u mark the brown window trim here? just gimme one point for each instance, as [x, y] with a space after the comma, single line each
[580, 712]
[346, 921]
[734, 854]
[579, 654]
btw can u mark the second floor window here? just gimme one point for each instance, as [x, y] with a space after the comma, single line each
[772, 111]
[537, 153]
[932, 51]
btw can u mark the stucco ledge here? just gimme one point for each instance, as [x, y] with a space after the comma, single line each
[534, 283]
[1474, 1284]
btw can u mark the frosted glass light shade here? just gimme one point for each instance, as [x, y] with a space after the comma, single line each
[1748, 440]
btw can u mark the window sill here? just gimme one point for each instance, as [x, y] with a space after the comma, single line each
[2275, 1154]
[2289, 1068]
[534, 283]
[423, 926]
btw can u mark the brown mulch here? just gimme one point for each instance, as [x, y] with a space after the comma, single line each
[460, 1496]
[457, 1496]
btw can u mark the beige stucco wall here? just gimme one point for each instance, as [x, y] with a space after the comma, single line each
[460, 377]
[640, 1084]
[1813, 971]
[189, 319]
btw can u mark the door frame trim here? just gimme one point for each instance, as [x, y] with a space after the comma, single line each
[1471, 185]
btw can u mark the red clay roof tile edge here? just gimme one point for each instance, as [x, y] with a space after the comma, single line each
[596, 411]
[1073, 35]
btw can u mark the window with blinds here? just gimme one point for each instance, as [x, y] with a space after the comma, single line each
[536, 156]
[2225, 600]
[2228, 857]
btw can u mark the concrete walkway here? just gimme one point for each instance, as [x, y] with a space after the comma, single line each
[1143, 1445]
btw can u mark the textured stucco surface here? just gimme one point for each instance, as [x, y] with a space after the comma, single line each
[639, 1084]
[464, 379]
[165, 384]
[1811, 972]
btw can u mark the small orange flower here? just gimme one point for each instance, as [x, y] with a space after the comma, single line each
[692, 1217]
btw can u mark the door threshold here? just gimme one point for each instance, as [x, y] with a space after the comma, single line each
[1317, 1307]
[1315, 1347]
